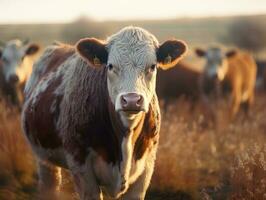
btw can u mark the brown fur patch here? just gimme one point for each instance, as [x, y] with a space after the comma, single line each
[58, 57]
[149, 130]
[178, 81]
[41, 121]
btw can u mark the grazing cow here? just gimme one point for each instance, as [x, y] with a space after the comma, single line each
[17, 59]
[93, 109]
[180, 81]
[235, 69]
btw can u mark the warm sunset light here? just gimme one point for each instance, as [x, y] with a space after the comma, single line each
[32, 11]
[132, 99]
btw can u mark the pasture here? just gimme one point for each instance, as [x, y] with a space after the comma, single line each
[194, 160]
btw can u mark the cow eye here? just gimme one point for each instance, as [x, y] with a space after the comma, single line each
[152, 68]
[110, 66]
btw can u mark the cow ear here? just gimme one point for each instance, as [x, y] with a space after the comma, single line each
[93, 51]
[231, 53]
[32, 49]
[170, 53]
[200, 52]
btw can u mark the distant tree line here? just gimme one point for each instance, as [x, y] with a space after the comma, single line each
[248, 33]
[83, 27]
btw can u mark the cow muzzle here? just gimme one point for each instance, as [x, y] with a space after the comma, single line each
[13, 79]
[132, 103]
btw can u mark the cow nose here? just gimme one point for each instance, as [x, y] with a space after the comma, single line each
[13, 78]
[132, 102]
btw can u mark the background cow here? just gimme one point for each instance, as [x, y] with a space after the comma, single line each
[93, 109]
[183, 81]
[236, 70]
[17, 58]
[179, 81]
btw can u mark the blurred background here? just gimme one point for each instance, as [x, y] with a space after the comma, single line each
[195, 161]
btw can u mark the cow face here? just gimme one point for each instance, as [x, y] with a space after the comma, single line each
[216, 65]
[132, 57]
[16, 66]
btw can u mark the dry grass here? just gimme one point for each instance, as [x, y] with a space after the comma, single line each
[248, 175]
[193, 162]
[198, 160]
[17, 167]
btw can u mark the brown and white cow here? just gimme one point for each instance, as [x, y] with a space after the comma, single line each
[235, 70]
[93, 109]
[17, 59]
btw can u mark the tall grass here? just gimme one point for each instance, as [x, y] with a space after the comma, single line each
[194, 161]
[17, 167]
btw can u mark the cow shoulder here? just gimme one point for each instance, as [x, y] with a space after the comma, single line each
[50, 60]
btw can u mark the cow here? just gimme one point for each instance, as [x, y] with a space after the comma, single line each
[93, 109]
[17, 59]
[183, 81]
[179, 81]
[233, 71]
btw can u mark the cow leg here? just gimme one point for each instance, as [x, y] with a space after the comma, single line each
[235, 106]
[137, 190]
[49, 180]
[250, 101]
[236, 99]
[85, 181]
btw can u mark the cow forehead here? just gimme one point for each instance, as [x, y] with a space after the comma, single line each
[132, 46]
[214, 54]
[13, 49]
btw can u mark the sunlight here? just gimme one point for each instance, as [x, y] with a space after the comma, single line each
[31, 11]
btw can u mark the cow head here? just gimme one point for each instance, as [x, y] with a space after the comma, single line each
[132, 57]
[216, 65]
[16, 66]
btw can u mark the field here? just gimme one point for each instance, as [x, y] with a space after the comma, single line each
[194, 162]
[195, 31]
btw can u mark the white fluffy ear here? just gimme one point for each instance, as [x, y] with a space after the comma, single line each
[170, 53]
[93, 51]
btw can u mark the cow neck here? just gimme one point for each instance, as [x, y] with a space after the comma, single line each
[120, 130]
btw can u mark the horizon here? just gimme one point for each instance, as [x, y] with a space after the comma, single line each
[35, 12]
[135, 20]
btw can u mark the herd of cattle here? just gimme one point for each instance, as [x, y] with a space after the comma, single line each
[92, 108]
[233, 73]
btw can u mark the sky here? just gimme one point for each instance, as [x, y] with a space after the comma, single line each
[59, 11]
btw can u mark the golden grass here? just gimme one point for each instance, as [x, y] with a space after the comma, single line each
[193, 159]
[17, 167]
[193, 162]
